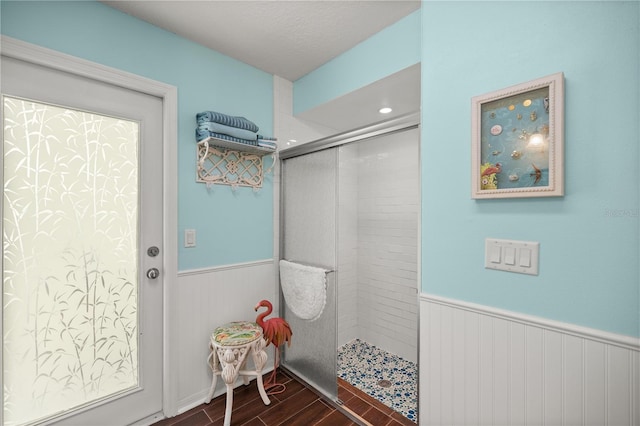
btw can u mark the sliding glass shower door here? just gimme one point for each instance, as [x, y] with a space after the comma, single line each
[309, 196]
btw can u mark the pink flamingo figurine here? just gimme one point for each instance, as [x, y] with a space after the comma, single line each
[277, 331]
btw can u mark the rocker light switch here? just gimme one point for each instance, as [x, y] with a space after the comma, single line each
[525, 257]
[189, 237]
[495, 254]
[512, 256]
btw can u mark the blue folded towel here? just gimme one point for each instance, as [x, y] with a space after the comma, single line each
[203, 134]
[227, 130]
[227, 120]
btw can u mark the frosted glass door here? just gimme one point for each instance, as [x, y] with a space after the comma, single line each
[73, 300]
[70, 293]
[309, 234]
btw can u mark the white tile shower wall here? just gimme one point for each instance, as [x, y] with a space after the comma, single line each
[206, 299]
[479, 365]
[348, 245]
[388, 198]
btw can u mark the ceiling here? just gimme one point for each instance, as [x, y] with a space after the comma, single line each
[288, 38]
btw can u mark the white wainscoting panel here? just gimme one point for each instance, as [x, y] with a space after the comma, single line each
[484, 366]
[208, 298]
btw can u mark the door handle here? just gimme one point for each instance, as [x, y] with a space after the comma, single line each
[153, 273]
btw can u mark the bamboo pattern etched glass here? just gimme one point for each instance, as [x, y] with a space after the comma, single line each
[70, 259]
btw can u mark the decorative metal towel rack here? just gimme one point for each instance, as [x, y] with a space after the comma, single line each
[231, 163]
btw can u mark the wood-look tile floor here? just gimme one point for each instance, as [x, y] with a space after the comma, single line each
[368, 409]
[297, 405]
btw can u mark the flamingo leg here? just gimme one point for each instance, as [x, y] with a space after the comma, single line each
[272, 386]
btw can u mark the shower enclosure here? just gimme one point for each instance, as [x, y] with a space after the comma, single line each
[350, 204]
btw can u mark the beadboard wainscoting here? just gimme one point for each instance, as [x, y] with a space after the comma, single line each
[207, 298]
[484, 366]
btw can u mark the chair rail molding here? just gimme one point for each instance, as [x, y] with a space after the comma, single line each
[226, 267]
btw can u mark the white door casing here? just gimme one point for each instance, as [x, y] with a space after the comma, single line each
[78, 77]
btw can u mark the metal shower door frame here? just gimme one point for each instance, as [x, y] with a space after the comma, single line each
[399, 124]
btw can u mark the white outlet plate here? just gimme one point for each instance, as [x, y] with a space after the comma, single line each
[512, 256]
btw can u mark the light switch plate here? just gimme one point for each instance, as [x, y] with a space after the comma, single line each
[189, 237]
[512, 256]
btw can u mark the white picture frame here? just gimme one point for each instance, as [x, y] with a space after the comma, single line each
[518, 140]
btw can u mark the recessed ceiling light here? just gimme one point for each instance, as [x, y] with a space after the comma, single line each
[385, 110]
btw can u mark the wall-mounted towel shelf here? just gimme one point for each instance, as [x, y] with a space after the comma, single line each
[230, 163]
[236, 146]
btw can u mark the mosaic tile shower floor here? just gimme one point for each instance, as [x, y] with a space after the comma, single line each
[365, 366]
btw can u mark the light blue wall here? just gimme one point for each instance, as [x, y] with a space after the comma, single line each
[589, 268]
[391, 50]
[231, 227]
[589, 239]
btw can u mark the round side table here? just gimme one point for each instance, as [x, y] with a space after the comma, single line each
[230, 346]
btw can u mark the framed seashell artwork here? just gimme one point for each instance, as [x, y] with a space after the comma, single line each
[517, 140]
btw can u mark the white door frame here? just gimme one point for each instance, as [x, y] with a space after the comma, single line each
[31, 53]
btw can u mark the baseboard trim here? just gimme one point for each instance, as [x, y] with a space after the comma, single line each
[619, 340]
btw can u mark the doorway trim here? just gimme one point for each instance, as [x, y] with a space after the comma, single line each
[38, 55]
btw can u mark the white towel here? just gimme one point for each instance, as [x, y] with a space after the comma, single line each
[304, 288]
